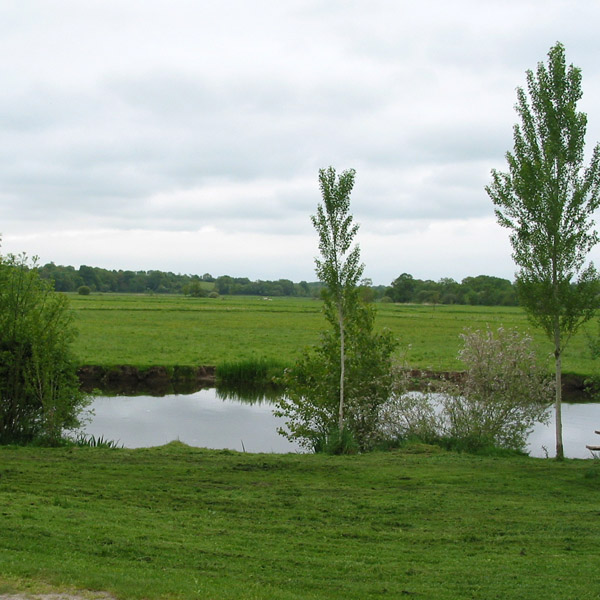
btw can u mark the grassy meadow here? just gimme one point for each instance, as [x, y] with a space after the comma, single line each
[180, 522]
[142, 330]
[189, 523]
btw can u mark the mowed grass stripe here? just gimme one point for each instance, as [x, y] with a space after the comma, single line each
[180, 522]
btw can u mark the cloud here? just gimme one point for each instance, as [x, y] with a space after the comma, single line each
[207, 122]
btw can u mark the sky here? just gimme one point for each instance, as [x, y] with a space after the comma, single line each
[187, 135]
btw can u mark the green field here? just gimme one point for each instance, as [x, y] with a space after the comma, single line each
[143, 331]
[180, 522]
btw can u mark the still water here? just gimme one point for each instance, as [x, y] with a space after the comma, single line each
[203, 419]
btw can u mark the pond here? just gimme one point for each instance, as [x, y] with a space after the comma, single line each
[204, 419]
[201, 419]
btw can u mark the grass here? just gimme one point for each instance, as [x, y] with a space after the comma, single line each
[178, 522]
[157, 330]
[249, 371]
[95, 442]
[145, 331]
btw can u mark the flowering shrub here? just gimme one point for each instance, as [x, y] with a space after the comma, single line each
[504, 392]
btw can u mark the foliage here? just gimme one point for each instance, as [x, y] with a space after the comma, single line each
[547, 199]
[504, 392]
[339, 267]
[84, 290]
[92, 441]
[482, 290]
[38, 384]
[69, 279]
[195, 289]
[311, 403]
[188, 523]
[335, 390]
[409, 414]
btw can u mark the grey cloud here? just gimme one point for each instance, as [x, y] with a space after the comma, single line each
[126, 115]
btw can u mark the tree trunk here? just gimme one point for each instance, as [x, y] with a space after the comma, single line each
[558, 402]
[342, 371]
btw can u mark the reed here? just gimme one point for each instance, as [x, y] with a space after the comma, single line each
[91, 441]
[249, 371]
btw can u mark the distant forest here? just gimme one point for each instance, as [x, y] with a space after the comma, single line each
[480, 290]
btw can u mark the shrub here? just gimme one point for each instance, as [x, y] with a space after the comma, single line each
[84, 290]
[311, 403]
[409, 414]
[195, 290]
[504, 392]
[39, 389]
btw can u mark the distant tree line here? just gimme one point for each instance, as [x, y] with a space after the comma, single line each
[242, 286]
[70, 279]
[482, 290]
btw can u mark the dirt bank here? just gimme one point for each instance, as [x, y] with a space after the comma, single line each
[158, 381]
[154, 381]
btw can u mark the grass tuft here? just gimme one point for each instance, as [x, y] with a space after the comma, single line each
[92, 441]
[249, 371]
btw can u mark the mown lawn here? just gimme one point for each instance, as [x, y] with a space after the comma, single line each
[179, 522]
[144, 331]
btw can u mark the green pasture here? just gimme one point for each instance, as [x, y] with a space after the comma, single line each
[180, 522]
[142, 330]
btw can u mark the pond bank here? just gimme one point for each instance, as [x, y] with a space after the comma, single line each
[154, 381]
[158, 381]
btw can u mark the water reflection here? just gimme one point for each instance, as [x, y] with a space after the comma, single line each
[222, 419]
[579, 423]
[203, 419]
[248, 394]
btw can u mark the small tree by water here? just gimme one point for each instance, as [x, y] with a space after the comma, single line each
[39, 389]
[547, 199]
[311, 403]
[339, 267]
[334, 392]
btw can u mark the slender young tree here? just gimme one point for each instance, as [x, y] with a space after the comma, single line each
[339, 267]
[547, 199]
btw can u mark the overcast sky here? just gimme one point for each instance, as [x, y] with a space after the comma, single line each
[187, 135]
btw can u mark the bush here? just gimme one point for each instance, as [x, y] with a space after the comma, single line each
[195, 290]
[503, 394]
[39, 389]
[84, 290]
[410, 414]
[311, 403]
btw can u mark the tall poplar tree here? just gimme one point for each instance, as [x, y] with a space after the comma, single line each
[547, 199]
[339, 267]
